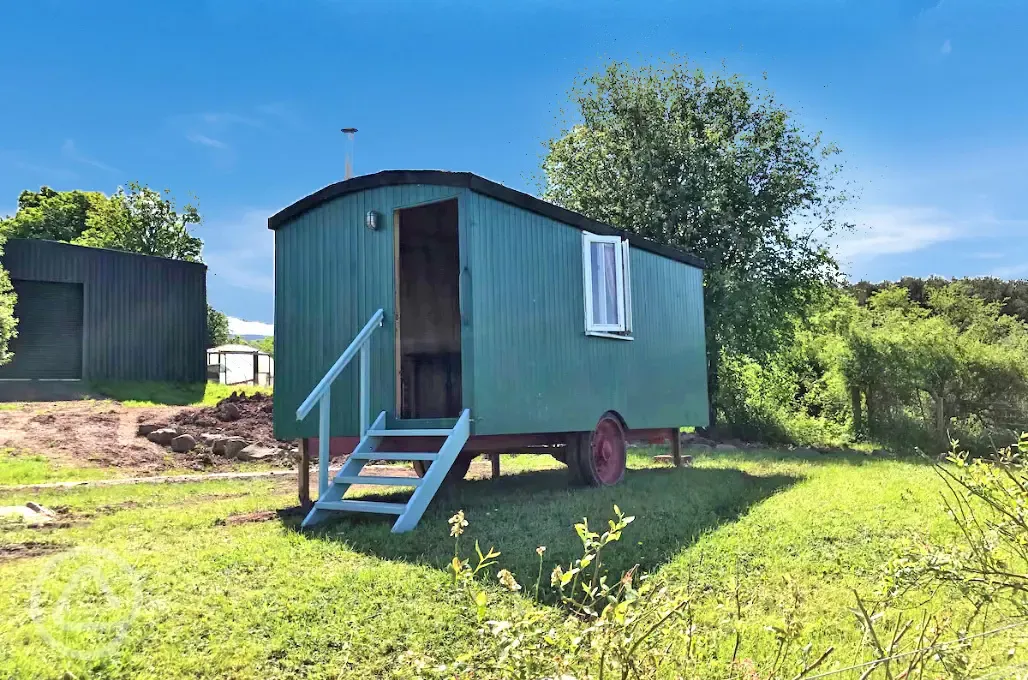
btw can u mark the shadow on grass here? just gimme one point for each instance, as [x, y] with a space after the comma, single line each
[855, 458]
[170, 394]
[517, 513]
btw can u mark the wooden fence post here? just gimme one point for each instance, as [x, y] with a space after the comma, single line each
[676, 447]
[303, 474]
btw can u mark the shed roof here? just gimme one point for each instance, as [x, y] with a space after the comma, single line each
[479, 185]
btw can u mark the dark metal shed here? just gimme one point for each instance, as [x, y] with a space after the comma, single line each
[95, 314]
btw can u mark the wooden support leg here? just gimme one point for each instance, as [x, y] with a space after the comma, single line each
[494, 458]
[676, 447]
[304, 474]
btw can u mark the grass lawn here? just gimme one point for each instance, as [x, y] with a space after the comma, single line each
[20, 468]
[197, 597]
[169, 394]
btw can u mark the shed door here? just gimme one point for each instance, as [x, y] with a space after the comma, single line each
[49, 342]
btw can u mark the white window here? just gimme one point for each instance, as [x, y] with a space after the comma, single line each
[608, 294]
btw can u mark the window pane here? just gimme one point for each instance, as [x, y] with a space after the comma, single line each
[604, 283]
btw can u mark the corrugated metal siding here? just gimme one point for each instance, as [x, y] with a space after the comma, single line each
[331, 275]
[49, 340]
[527, 364]
[145, 318]
[535, 370]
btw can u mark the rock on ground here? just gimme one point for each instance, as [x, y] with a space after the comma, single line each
[183, 443]
[25, 514]
[257, 452]
[209, 438]
[230, 446]
[163, 436]
[228, 411]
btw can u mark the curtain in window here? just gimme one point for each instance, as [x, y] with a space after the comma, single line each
[604, 283]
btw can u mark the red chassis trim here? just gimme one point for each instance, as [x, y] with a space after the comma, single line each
[484, 443]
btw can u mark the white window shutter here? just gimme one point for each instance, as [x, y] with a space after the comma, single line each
[628, 286]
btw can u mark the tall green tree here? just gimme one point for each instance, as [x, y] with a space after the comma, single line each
[711, 165]
[8, 324]
[217, 327]
[142, 220]
[52, 215]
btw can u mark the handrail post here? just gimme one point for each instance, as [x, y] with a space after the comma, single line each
[365, 388]
[324, 440]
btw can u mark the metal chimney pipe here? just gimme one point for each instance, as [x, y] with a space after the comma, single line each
[349, 132]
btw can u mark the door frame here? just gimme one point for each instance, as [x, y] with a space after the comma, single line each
[461, 302]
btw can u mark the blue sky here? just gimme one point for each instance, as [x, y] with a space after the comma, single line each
[239, 103]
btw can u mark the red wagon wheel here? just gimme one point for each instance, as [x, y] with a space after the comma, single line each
[457, 471]
[608, 450]
[598, 459]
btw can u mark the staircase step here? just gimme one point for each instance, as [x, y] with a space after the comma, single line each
[409, 433]
[384, 481]
[377, 455]
[364, 506]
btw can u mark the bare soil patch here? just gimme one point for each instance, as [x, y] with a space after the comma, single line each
[13, 551]
[262, 516]
[79, 432]
[104, 433]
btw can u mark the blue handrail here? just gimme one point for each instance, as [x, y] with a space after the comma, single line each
[322, 394]
[345, 358]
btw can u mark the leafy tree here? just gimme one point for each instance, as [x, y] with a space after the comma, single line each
[143, 221]
[52, 215]
[713, 166]
[8, 324]
[1011, 294]
[217, 327]
[267, 345]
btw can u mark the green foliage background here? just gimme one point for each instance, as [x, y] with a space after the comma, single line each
[890, 370]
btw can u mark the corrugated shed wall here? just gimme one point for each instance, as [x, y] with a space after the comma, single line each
[535, 370]
[145, 318]
[331, 275]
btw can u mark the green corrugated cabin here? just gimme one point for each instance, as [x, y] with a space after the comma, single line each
[553, 332]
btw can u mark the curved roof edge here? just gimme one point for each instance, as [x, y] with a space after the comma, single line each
[479, 185]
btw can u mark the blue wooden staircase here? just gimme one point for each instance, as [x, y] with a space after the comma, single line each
[331, 496]
[369, 449]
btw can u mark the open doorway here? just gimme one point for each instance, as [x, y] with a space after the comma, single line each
[428, 311]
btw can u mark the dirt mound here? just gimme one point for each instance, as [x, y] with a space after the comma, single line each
[250, 418]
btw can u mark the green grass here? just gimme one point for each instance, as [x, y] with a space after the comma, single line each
[19, 468]
[169, 394]
[260, 600]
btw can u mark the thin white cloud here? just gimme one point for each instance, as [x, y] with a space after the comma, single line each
[989, 256]
[47, 172]
[240, 327]
[243, 268]
[204, 140]
[946, 48]
[237, 261]
[71, 152]
[887, 230]
[281, 112]
[228, 118]
[1017, 271]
